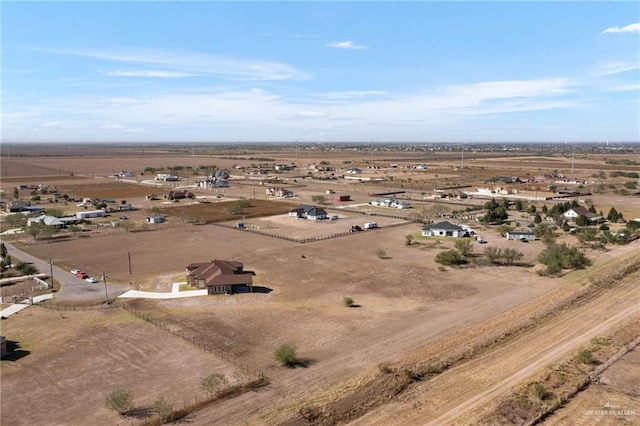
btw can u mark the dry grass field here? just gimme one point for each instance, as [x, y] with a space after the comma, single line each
[409, 308]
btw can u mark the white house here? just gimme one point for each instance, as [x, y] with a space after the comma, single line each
[156, 219]
[518, 235]
[90, 213]
[47, 220]
[573, 213]
[443, 229]
[354, 171]
[306, 211]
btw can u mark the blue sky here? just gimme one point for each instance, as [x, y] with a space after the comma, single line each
[320, 71]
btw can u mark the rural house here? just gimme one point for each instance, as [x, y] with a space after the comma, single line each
[179, 194]
[46, 220]
[220, 277]
[90, 213]
[519, 235]
[22, 206]
[156, 219]
[443, 229]
[573, 213]
[306, 211]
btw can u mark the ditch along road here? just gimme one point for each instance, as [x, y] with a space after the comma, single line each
[464, 394]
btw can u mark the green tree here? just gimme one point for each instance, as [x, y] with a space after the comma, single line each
[464, 246]
[537, 220]
[613, 215]
[49, 231]
[318, 199]
[493, 254]
[511, 256]
[34, 230]
[286, 355]
[3, 250]
[557, 257]
[213, 382]
[450, 257]
[545, 209]
[582, 220]
[519, 206]
[408, 239]
[120, 400]
[238, 207]
[74, 229]
[531, 209]
[16, 193]
[26, 268]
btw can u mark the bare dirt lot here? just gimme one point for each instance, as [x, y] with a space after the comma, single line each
[408, 306]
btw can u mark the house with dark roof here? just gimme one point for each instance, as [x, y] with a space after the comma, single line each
[19, 206]
[443, 229]
[573, 213]
[220, 277]
[306, 211]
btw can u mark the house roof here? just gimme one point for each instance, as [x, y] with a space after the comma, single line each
[445, 226]
[310, 210]
[47, 220]
[220, 272]
[581, 211]
[521, 233]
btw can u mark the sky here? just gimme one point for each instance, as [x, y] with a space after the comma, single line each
[314, 71]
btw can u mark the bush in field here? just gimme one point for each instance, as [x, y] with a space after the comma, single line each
[348, 302]
[286, 355]
[163, 409]
[557, 257]
[450, 257]
[585, 356]
[213, 382]
[120, 400]
[464, 246]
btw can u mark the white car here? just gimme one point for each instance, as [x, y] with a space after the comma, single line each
[92, 279]
[74, 271]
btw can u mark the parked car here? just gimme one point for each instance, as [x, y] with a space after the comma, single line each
[355, 228]
[481, 240]
[81, 274]
[123, 217]
[370, 225]
[92, 279]
[524, 240]
[334, 217]
[75, 271]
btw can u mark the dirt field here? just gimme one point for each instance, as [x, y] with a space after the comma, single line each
[409, 307]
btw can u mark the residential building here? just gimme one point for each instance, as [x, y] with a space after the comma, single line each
[220, 277]
[443, 229]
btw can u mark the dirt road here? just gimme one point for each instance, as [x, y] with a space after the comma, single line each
[458, 396]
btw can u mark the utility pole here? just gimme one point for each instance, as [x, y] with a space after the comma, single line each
[106, 295]
[51, 272]
[129, 255]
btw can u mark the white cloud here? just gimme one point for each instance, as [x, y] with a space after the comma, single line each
[345, 45]
[352, 94]
[146, 73]
[59, 124]
[123, 101]
[631, 28]
[194, 63]
[627, 88]
[614, 68]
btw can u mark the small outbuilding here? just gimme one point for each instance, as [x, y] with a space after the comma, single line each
[90, 214]
[519, 235]
[156, 219]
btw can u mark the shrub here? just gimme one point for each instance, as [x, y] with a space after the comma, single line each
[163, 409]
[348, 302]
[464, 246]
[381, 254]
[120, 400]
[408, 240]
[541, 391]
[213, 382]
[585, 356]
[286, 355]
[450, 257]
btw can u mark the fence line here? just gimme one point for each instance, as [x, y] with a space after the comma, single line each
[80, 307]
[166, 326]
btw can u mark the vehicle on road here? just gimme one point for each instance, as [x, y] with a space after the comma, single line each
[481, 240]
[81, 274]
[91, 279]
[75, 271]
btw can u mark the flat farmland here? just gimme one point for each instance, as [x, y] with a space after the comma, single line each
[409, 308]
[70, 361]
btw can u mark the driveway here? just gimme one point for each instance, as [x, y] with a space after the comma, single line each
[73, 288]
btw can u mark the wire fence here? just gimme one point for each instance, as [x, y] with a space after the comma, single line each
[252, 374]
[69, 306]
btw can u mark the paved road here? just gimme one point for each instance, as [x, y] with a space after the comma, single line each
[73, 288]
